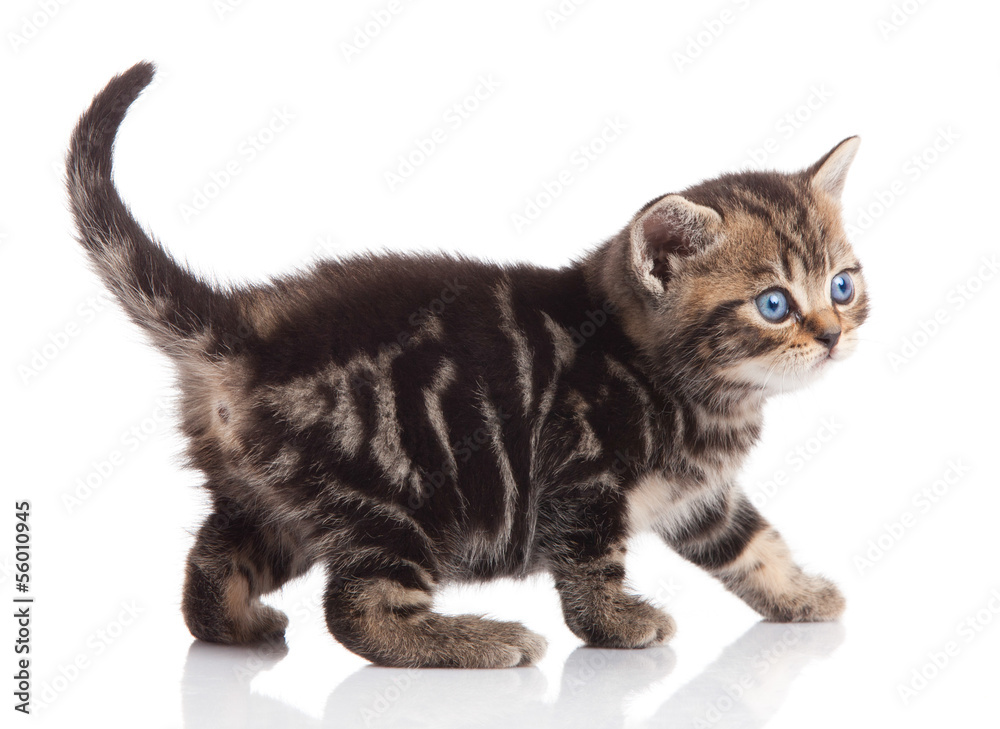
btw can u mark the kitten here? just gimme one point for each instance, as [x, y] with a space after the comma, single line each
[408, 421]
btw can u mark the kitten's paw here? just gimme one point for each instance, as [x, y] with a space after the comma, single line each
[814, 599]
[527, 646]
[270, 622]
[622, 621]
[469, 641]
[219, 608]
[250, 624]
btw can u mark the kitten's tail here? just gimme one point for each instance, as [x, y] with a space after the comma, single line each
[160, 295]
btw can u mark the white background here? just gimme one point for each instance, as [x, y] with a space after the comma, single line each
[843, 469]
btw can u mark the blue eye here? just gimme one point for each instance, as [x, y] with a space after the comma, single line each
[773, 305]
[842, 288]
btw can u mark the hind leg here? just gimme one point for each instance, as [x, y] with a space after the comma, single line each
[389, 621]
[235, 560]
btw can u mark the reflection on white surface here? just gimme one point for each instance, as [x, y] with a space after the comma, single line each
[743, 687]
[747, 683]
[593, 688]
[215, 690]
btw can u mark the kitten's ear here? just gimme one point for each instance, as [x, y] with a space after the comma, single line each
[828, 175]
[668, 230]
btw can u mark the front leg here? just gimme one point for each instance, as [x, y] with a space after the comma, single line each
[599, 610]
[731, 540]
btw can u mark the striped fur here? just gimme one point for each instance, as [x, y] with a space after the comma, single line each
[408, 421]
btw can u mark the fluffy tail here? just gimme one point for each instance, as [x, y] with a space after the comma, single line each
[160, 295]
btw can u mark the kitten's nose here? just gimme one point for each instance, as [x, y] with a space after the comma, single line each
[829, 337]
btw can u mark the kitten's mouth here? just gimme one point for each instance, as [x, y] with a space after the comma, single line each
[824, 360]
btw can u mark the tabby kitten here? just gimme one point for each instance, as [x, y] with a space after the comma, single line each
[408, 421]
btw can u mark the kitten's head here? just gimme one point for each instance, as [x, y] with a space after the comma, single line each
[747, 278]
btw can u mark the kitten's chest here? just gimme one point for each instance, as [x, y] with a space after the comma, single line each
[711, 445]
[622, 422]
[662, 502]
[701, 463]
